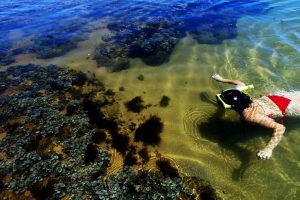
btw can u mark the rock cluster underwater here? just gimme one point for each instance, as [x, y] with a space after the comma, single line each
[56, 139]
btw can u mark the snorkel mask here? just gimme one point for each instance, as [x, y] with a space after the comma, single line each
[231, 93]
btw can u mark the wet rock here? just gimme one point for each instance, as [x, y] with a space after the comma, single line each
[153, 37]
[153, 51]
[57, 41]
[128, 184]
[51, 139]
[115, 58]
[30, 147]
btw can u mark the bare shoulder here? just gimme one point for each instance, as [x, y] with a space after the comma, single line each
[252, 111]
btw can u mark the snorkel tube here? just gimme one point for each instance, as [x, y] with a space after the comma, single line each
[221, 99]
[245, 88]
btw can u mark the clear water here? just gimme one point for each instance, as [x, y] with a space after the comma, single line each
[257, 42]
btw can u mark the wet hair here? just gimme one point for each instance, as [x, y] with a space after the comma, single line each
[237, 99]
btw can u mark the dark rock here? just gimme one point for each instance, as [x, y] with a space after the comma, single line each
[153, 37]
[115, 58]
[53, 155]
[153, 51]
[144, 185]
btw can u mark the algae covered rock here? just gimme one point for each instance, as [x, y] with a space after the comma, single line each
[56, 141]
[153, 34]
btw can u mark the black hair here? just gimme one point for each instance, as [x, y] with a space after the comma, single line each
[237, 99]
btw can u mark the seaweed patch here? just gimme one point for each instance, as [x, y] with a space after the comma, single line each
[164, 102]
[153, 34]
[166, 168]
[149, 131]
[135, 105]
[49, 146]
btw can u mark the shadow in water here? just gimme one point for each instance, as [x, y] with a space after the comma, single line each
[231, 134]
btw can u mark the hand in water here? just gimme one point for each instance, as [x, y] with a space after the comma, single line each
[264, 154]
[217, 77]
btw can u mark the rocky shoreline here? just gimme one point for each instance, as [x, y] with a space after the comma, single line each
[58, 129]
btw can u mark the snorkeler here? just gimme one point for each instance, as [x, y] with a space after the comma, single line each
[261, 111]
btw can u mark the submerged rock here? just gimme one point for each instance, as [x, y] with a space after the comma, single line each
[153, 35]
[49, 135]
[115, 58]
[50, 149]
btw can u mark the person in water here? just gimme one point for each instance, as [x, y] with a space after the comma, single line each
[261, 111]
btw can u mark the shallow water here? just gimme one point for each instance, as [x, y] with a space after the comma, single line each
[254, 41]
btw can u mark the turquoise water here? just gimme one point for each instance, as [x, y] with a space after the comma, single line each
[177, 46]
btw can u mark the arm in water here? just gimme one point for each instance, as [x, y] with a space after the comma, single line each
[278, 130]
[238, 84]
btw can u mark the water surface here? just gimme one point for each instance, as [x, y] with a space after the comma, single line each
[177, 46]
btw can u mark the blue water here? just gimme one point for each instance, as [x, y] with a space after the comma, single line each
[53, 28]
[256, 41]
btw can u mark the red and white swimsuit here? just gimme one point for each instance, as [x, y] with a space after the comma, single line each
[281, 102]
